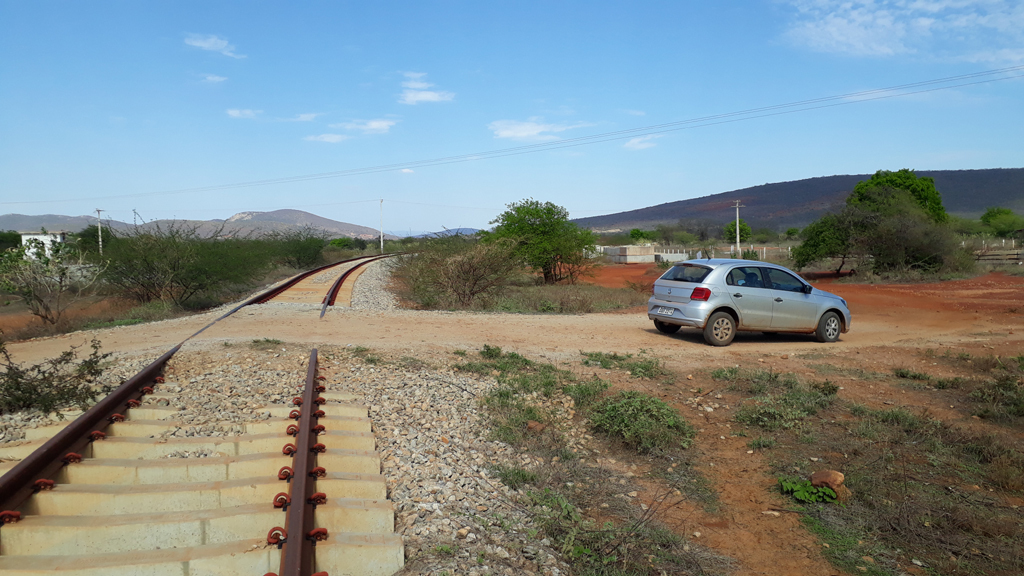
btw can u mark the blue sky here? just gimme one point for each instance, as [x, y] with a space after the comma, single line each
[146, 105]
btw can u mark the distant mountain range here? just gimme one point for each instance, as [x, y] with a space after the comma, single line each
[781, 205]
[241, 223]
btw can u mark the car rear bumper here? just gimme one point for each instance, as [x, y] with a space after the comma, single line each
[692, 314]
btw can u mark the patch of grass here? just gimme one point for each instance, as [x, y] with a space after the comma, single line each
[855, 373]
[726, 374]
[1001, 398]
[640, 546]
[358, 350]
[762, 443]
[943, 383]
[513, 476]
[459, 352]
[265, 343]
[643, 422]
[586, 393]
[786, 410]
[639, 366]
[446, 550]
[846, 547]
[909, 374]
[410, 363]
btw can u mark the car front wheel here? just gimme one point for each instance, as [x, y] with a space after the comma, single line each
[720, 329]
[829, 327]
[666, 328]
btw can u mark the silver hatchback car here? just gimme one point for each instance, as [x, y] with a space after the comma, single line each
[722, 296]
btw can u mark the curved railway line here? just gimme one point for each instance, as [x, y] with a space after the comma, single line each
[297, 494]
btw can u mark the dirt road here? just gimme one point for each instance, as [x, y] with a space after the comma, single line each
[892, 325]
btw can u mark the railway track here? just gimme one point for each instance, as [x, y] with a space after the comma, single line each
[296, 494]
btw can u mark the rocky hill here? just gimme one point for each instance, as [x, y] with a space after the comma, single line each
[797, 203]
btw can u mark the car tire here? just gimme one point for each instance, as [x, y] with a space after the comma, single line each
[770, 334]
[720, 329]
[666, 328]
[829, 327]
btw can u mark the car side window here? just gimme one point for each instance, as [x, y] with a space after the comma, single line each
[784, 281]
[746, 276]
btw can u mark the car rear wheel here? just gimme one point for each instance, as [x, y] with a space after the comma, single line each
[666, 328]
[829, 327]
[720, 329]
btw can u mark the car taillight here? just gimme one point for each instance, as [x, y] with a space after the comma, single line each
[700, 294]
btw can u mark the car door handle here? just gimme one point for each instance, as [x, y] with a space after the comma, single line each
[737, 295]
[778, 299]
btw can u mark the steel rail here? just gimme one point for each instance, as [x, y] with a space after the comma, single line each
[16, 485]
[297, 553]
[332, 294]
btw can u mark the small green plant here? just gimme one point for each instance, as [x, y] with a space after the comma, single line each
[357, 350]
[803, 491]
[585, 393]
[909, 374]
[725, 373]
[266, 343]
[459, 352]
[513, 476]
[446, 550]
[641, 366]
[762, 443]
[490, 352]
[643, 422]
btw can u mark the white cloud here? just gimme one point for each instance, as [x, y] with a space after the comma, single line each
[305, 117]
[331, 138]
[236, 113]
[635, 112]
[641, 142]
[213, 78]
[416, 90]
[406, 170]
[213, 44]
[534, 129]
[985, 30]
[379, 126]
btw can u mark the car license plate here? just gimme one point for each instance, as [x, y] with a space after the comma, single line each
[666, 311]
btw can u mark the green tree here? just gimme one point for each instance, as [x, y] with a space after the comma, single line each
[729, 231]
[347, 243]
[637, 235]
[9, 239]
[994, 212]
[922, 189]
[828, 237]
[544, 238]
[792, 233]
[1006, 225]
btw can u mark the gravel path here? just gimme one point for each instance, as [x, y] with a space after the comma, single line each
[371, 289]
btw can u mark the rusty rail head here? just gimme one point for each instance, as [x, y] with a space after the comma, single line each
[297, 554]
[47, 460]
[332, 294]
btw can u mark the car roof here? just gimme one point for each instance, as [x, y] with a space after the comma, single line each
[716, 262]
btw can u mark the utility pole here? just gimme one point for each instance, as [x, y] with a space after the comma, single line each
[739, 254]
[99, 229]
[381, 225]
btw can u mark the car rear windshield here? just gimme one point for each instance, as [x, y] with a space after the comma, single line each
[686, 273]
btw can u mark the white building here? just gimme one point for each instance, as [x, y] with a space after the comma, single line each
[47, 239]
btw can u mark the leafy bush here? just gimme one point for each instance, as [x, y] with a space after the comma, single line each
[52, 385]
[178, 264]
[803, 491]
[47, 280]
[643, 422]
[455, 271]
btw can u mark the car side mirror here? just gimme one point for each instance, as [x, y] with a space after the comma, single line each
[807, 288]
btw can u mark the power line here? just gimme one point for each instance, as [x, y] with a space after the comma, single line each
[921, 87]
